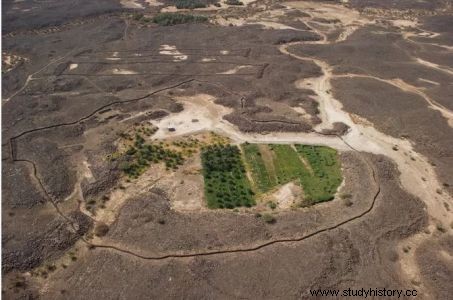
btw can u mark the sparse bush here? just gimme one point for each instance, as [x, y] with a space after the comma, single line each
[347, 202]
[51, 267]
[189, 4]
[268, 218]
[137, 16]
[234, 2]
[441, 228]
[346, 196]
[272, 205]
[101, 229]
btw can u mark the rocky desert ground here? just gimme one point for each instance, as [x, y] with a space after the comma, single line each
[332, 120]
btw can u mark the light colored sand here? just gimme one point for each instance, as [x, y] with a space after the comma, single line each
[123, 71]
[153, 2]
[10, 61]
[405, 23]
[172, 51]
[299, 110]
[272, 25]
[429, 81]
[87, 171]
[131, 4]
[200, 106]
[445, 69]
[235, 70]
[288, 195]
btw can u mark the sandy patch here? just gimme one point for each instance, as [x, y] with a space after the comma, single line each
[405, 23]
[10, 61]
[153, 2]
[210, 7]
[171, 9]
[429, 81]
[299, 110]
[131, 4]
[202, 107]
[435, 66]
[123, 72]
[273, 25]
[222, 21]
[172, 51]
[86, 173]
[234, 70]
[288, 195]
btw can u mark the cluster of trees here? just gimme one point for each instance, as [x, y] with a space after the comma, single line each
[148, 131]
[222, 158]
[141, 155]
[169, 19]
[189, 143]
[226, 184]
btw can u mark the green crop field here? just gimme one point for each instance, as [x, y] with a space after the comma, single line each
[263, 179]
[226, 183]
[287, 163]
[316, 168]
[322, 184]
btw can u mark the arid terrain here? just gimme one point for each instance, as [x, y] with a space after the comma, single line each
[196, 149]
